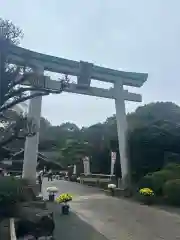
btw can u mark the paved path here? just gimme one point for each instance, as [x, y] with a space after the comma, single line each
[99, 217]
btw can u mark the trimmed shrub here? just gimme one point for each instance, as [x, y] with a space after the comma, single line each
[146, 182]
[73, 178]
[171, 191]
[160, 178]
[156, 180]
[164, 174]
[175, 168]
[11, 190]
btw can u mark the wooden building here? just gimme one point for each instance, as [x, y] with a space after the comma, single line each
[43, 162]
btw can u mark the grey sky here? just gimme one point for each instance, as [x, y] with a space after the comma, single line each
[134, 35]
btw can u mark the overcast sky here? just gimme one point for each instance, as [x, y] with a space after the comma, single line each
[133, 35]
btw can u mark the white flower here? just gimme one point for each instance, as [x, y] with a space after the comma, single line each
[52, 189]
[40, 195]
[111, 186]
[18, 176]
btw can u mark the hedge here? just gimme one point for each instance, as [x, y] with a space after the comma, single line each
[156, 180]
[171, 191]
[175, 168]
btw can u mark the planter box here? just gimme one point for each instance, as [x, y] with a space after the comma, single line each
[118, 192]
[123, 192]
[107, 192]
[147, 200]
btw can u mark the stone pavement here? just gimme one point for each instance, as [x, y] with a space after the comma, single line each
[97, 216]
[72, 227]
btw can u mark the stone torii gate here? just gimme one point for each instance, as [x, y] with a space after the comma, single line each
[84, 72]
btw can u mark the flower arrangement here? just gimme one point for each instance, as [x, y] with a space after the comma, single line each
[147, 195]
[52, 189]
[64, 198]
[146, 192]
[111, 186]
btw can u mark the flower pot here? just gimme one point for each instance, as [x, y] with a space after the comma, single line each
[112, 191]
[65, 209]
[148, 200]
[51, 197]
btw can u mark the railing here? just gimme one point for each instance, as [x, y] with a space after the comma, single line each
[12, 230]
[96, 178]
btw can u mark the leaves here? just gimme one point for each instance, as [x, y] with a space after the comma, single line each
[149, 139]
[19, 128]
[12, 89]
[11, 32]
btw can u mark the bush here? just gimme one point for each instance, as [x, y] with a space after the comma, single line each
[175, 168]
[171, 191]
[160, 178]
[156, 180]
[11, 190]
[146, 182]
[73, 178]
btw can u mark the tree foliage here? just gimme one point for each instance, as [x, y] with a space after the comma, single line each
[12, 89]
[153, 138]
[16, 128]
[13, 77]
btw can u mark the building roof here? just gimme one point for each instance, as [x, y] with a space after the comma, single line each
[5, 152]
[19, 156]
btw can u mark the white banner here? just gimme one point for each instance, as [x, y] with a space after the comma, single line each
[113, 160]
[86, 165]
[74, 169]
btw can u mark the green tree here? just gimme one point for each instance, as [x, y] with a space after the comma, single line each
[12, 77]
[74, 151]
[153, 137]
[12, 91]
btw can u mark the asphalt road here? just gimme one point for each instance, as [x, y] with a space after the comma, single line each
[95, 216]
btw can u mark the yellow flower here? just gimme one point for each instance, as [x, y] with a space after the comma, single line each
[65, 197]
[146, 192]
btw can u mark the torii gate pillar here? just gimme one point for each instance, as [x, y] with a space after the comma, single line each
[122, 133]
[31, 144]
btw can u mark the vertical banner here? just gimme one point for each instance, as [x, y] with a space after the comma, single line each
[86, 165]
[74, 169]
[113, 160]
